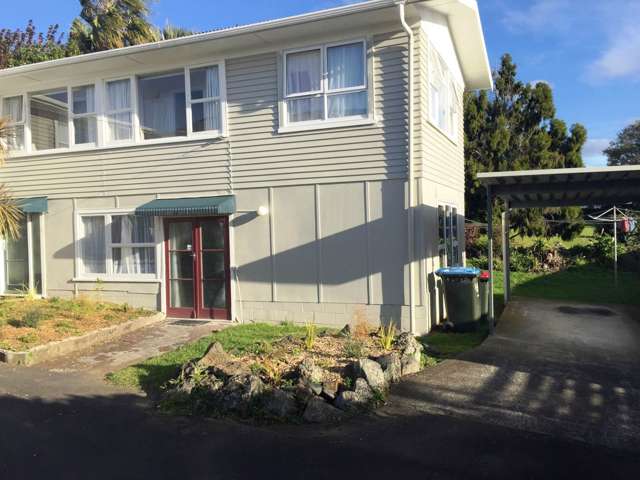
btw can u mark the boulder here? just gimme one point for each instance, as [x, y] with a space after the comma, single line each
[239, 391]
[309, 372]
[194, 377]
[391, 366]
[281, 404]
[303, 392]
[319, 411]
[357, 399]
[330, 389]
[222, 363]
[410, 353]
[372, 372]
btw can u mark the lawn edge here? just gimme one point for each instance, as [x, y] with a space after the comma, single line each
[69, 345]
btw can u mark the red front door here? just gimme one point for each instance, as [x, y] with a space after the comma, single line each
[198, 280]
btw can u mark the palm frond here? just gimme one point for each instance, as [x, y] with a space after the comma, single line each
[10, 215]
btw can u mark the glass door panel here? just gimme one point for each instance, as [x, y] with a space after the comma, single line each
[16, 261]
[213, 262]
[181, 274]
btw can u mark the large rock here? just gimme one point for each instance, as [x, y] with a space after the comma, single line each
[239, 391]
[372, 372]
[319, 411]
[357, 399]
[222, 363]
[410, 353]
[281, 404]
[193, 377]
[391, 366]
[330, 389]
[309, 372]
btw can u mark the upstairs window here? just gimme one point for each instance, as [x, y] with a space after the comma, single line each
[205, 99]
[83, 113]
[162, 105]
[326, 83]
[13, 110]
[443, 97]
[49, 119]
[119, 111]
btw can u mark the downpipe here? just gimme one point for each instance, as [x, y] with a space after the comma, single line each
[411, 179]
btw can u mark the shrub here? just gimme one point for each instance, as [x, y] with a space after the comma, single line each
[353, 349]
[387, 335]
[30, 319]
[310, 335]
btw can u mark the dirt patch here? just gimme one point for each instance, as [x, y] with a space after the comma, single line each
[27, 323]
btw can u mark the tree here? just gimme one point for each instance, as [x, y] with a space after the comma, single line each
[169, 32]
[625, 149]
[515, 128]
[21, 47]
[108, 24]
[10, 214]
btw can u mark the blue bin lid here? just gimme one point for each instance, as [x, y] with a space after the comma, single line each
[459, 272]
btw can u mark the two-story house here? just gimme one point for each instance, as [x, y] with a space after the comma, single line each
[308, 168]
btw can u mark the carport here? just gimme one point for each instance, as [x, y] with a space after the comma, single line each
[580, 187]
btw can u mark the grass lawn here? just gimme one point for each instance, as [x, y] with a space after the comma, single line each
[28, 322]
[150, 375]
[579, 284]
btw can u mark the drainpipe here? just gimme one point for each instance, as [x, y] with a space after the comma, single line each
[411, 180]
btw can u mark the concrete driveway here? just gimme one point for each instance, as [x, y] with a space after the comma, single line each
[563, 369]
[488, 415]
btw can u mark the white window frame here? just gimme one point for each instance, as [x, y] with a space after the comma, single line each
[133, 109]
[29, 146]
[324, 91]
[22, 123]
[30, 259]
[452, 256]
[73, 116]
[221, 98]
[111, 275]
[441, 78]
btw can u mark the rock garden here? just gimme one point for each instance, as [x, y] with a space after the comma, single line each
[315, 376]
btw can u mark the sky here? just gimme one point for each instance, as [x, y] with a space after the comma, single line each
[588, 51]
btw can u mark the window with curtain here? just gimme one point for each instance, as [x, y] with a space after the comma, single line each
[117, 244]
[13, 109]
[326, 83]
[162, 105]
[83, 112]
[49, 119]
[443, 109]
[118, 110]
[204, 99]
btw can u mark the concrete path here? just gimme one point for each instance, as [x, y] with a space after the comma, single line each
[567, 370]
[63, 421]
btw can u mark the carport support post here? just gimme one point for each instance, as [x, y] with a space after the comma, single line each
[506, 251]
[490, 256]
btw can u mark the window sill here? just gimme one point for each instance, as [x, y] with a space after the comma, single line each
[118, 145]
[116, 280]
[444, 133]
[324, 125]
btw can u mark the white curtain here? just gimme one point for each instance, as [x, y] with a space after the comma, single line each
[305, 109]
[119, 98]
[12, 108]
[348, 105]
[345, 66]
[211, 109]
[130, 229]
[92, 245]
[303, 72]
[159, 116]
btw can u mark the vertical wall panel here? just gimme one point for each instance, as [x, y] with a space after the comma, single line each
[343, 269]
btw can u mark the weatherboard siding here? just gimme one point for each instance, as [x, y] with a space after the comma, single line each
[253, 155]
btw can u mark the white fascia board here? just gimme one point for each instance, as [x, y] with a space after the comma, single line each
[468, 37]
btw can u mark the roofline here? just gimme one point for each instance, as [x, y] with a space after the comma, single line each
[556, 171]
[207, 36]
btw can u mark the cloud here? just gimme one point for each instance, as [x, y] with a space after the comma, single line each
[592, 152]
[621, 58]
[541, 15]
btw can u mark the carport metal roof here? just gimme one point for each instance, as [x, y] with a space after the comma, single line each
[565, 187]
[579, 187]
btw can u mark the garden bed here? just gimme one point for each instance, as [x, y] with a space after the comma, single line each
[278, 372]
[31, 328]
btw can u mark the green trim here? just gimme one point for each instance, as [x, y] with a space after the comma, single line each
[33, 205]
[189, 207]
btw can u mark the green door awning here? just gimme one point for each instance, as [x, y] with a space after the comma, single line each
[33, 205]
[189, 207]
